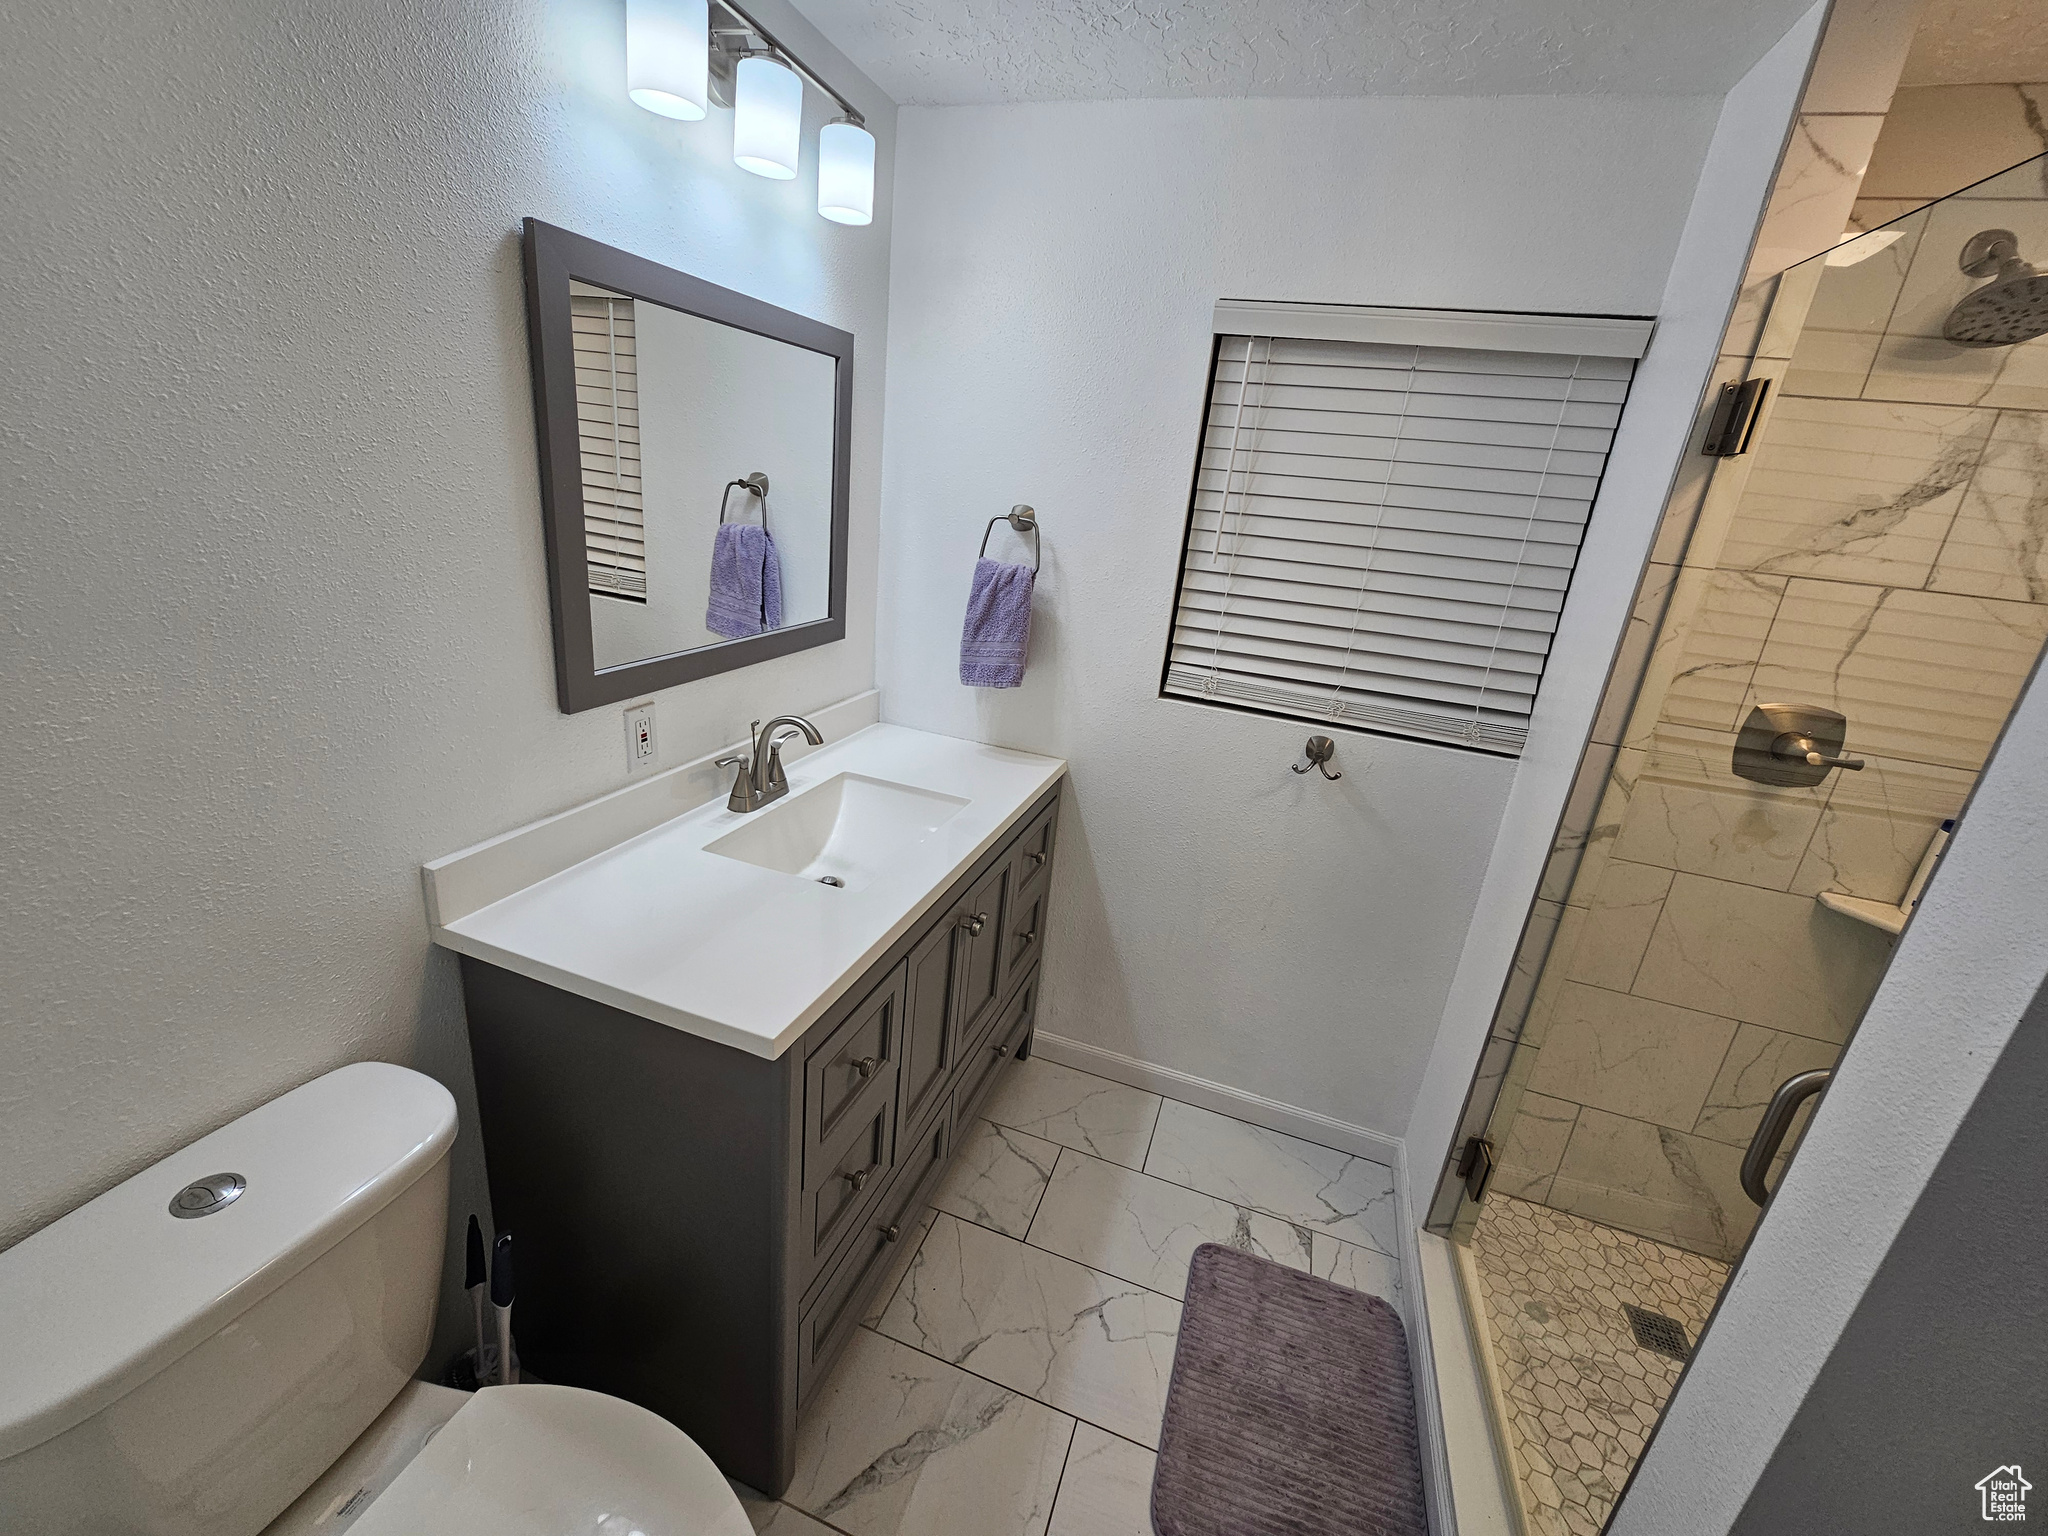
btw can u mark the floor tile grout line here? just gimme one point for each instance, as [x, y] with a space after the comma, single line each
[1259, 1210]
[1006, 1387]
[1068, 1258]
[1052, 1510]
[1039, 1204]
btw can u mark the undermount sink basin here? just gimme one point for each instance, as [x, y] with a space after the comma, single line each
[842, 832]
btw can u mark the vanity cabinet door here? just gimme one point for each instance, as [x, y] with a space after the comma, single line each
[978, 951]
[929, 1042]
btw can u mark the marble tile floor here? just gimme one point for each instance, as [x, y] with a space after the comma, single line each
[1010, 1377]
[1580, 1396]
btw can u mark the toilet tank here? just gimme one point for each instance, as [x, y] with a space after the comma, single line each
[168, 1376]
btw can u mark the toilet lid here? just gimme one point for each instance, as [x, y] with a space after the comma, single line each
[556, 1461]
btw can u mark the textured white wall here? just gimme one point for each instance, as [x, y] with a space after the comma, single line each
[276, 627]
[1049, 334]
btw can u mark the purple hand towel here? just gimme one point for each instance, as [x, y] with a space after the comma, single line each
[746, 582]
[998, 628]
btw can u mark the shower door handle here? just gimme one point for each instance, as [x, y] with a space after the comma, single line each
[1770, 1131]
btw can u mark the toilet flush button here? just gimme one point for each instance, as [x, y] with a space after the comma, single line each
[207, 1195]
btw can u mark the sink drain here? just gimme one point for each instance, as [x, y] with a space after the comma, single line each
[831, 880]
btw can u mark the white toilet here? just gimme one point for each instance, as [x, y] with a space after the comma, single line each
[200, 1374]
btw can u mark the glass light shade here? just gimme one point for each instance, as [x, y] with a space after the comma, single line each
[846, 174]
[667, 56]
[767, 118]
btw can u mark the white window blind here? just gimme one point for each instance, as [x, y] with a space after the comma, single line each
[1382, 532]
[608, 427]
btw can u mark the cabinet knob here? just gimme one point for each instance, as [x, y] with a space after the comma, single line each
[1028, 936]
[1037, 860]
[859, 1180]
[865, 1067]
[891, 1232]
[975, 924]
[1000, 1050]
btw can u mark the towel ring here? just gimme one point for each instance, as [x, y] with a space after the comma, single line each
[1024, 520]
[756, 483]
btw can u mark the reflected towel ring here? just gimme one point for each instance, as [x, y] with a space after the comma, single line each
[757, 483]
[1024, 520]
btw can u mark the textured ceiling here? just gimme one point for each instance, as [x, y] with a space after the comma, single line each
[947, 52]
[1980, 42]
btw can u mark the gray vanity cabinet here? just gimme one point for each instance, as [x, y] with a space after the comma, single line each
[700, 1229]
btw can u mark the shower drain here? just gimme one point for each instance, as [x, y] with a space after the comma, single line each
[1657, 1333]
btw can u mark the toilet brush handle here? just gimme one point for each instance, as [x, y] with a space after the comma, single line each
[501, 1303]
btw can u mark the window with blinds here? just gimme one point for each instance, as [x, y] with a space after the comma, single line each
[1386, 512]
[608, 426]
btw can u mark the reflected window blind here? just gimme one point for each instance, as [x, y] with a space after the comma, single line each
[1382, 533]
[608, 426]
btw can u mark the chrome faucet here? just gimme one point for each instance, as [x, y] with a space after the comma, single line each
[760, 780]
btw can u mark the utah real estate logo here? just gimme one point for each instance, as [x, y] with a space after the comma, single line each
[2005, 1494]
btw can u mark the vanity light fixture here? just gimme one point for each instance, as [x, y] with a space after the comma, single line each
[668, 56]
[767, 118]
[682, 55]
[846, 173]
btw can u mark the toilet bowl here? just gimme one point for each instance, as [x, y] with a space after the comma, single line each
[190, 1353]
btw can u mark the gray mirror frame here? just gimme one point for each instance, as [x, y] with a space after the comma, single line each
[553, 256]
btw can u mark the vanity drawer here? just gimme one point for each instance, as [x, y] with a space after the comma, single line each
[840, 1302]
[978, 949]
[980, 1071]
[1034, 848]
[1024, 933]
[855, 1067]
[852, 1173]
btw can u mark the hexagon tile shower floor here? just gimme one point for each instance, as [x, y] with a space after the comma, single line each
[1581, 1393]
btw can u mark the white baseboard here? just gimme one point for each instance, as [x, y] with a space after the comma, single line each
[1252, 1108]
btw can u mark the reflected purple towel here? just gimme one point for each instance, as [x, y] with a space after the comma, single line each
[746, 582]
[998, 628]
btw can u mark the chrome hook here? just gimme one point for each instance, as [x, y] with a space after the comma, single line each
[1317, 754]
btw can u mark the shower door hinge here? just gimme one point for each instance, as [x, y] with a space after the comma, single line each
[1475, 1165]
[1734, 420]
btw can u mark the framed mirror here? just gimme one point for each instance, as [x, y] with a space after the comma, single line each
[693, 461]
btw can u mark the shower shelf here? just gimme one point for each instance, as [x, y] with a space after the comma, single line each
[1879, 914]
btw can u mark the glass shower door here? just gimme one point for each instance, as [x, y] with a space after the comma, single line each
[1862, 596]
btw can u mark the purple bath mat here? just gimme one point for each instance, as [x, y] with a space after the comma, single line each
[1291, 1411]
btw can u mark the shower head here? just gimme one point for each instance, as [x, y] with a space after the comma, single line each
[2012, 307]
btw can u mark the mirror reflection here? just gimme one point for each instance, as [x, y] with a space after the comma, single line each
[707, 477]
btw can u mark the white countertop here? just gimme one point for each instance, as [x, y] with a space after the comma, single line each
[727, 950]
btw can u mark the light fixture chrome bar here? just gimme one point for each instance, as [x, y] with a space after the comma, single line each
[781, 51]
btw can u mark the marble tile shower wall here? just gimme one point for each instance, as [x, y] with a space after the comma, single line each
[1884, 552]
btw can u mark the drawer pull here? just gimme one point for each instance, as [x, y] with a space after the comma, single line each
[1000, 1050]
[975, 924]
[891, 1232]
[1037, 860]
[865, 1067]
[859, 1180]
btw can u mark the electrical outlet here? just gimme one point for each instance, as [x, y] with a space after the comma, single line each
[640, 751]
